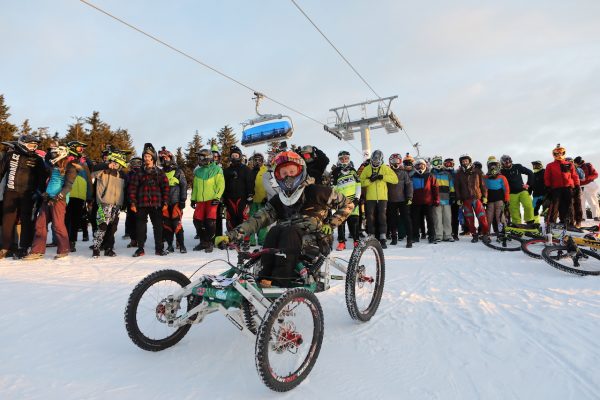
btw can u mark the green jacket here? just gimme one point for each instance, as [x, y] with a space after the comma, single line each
[209, 183]
[377, 190]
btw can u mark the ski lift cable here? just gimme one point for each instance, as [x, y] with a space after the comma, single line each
[199, 61]
[347, 62]
[336, 49]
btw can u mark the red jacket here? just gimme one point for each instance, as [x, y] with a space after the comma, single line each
[561, 174]
[590, 173]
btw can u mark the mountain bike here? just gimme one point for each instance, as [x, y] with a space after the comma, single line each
[510, 236]
[569, 256]
[286, 323]
[533, 247]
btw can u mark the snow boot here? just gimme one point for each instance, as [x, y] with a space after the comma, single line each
[486, 239]
[341, 246]
[161, 252]
[408, 244]
[60, 255]
[394, 239]
[475, 238]
[182, 249]
[139, 252]
[383, 244]
[95, 253]
[110, 253]
[32, 256]
[72, 248]
[209, 248]
[170, 248]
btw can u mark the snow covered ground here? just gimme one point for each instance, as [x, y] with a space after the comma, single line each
[457, 321]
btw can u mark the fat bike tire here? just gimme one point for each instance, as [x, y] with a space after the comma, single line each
[134, 331]
[366, 283]
[508, 243]
[532, 247]
[558, 257]
[274, 336]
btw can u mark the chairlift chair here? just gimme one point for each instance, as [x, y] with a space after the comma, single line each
[266, 128]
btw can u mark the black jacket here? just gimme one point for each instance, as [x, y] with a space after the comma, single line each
[239, 182]
[25, 172]
[514, 178]
[538, 188]
[316, 167]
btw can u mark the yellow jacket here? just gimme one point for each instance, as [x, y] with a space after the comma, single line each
[377, 190]
[259, 189]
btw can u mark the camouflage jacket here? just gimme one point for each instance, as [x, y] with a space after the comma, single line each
[309, 213]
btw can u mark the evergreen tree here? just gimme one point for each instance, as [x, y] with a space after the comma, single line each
[191, 156]
[25, 128]
[226, 140]
[179, 157]
[7, 130]
[212, 142]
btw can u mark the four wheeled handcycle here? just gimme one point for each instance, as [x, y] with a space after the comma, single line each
[286, 323]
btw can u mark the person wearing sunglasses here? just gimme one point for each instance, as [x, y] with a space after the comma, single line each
[25, 174]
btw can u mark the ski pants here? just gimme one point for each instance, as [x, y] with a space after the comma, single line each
[562, 200]
[577, 208]
[107, 220]
[538, 202]
[130, 224]
[418, 213]
[280, 270]
[236, 212]
[352, 228]
[442, 220]
[205, 217]
[75, 210]
[155, 214]
[495, 214]
[51, 212]
[590, 196]
[172, 224]
[472, 208]
[262, 233]
[454, 207]
[17, 205]
[399, 220]
[516, 200]
[376, 217]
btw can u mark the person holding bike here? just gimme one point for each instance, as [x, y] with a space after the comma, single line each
[302, 217]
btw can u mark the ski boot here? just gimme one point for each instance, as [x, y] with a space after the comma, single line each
[139, 252]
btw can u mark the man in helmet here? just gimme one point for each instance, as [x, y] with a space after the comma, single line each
[425, 197]
[54, 202]
[374, 179]
[442, 213]
[346, 181]
[239, 190]
[449, 166]
[471, 193]
[589, 187]
[110, 192]
[25, 174]
[207, 188]
[149, 197]
[135, 165]
[562, 180]
[172, 227]
[400, 197]
[260, 195]
[538, 189]
[81, 195]
[519, 194]
[498, 194]
[302, 215]
[316, 162]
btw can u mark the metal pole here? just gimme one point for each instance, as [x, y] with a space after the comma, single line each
[365, 139]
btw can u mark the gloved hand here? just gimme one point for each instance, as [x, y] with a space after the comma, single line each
[133, 208]
[374, 178]
[221, 241]
[326, 229]
[89, 204]
[408, 202]
[214, 202]
[193, 204]
[249, 199]
[60, 197]
[181, 205]
[459, 202]
[484, 200]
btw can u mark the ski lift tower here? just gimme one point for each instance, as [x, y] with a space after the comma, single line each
[345, 128]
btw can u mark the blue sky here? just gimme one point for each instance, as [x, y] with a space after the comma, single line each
[479, 77]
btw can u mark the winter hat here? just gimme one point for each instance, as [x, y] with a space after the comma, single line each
[491, 159]
[148, 148]
[578, 160]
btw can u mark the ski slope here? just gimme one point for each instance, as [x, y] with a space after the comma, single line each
[457, 321]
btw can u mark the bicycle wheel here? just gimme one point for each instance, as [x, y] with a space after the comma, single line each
[289, 339]
[579, 262]
[533, 247]
[504, 242]
[365, 279]
[148, 310]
